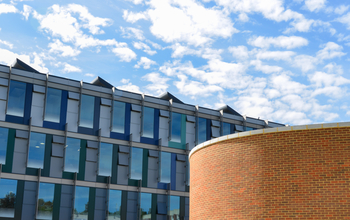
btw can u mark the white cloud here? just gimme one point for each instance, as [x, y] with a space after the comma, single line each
[239, 52]
[131, 32]
[345, 19]
[6, 43]
[133, 17]
[243, 17]
[144, 47]
[89, 74]
[275, 55]
[281, 41]
[159, 84]
[136, 2]
[69, 68]
[305, 62]
[128, 86]
[341, 9]
[145, 62]
[315, 5]
[26, 11]
[58, 47]
[265, 68]
[208, 53]
[7, 8]
[330, 50]
[124, 53]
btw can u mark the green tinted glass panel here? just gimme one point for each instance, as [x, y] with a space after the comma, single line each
[45, 200]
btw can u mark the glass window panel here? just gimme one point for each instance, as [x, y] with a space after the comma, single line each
[4, 132]
[36, 150]
[136, 163]
[148, 122]
[87, 111]
[8, 191]
[202, 130]
[176, 127]
[16, 98]
[53, 105]
[81, 203]
[174, 211]
[105, 159]
[226, 128]
[118, 117]
[249, 129]
[45, 200]
[165, 167]
[146, 206]
[115, 202]
[72, 154]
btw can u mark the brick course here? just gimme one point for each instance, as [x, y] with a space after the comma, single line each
[300, 174]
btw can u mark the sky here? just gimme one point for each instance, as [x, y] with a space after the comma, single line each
[283, 61]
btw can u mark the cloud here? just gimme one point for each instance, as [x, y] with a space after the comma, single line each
[305, 62]
[27, 10]
[6, 43]
[239, 52]
[275, 55]
[128, 86]
[180, 50]
[69, 68]
[58, 47]
[315, 5]
[265, 68]
[124, 53]
[345, 19]
[7, 8]
[159, 84]
[281, 41]
[144, 47]
[133, 17]
[145, 62]
[341, 9]
[89, 75]
[330, 50]
[131, 32]
[136, 2]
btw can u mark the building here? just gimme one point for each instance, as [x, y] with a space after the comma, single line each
[299, 172]
[76, 150]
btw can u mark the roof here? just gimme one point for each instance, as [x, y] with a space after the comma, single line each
[229, 110]
[168, 96]
[98, 81]
[19, 64]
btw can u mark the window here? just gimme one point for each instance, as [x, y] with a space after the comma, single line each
[72, 154]
[8, 191]
[146, 206]
[17, 95]
[174, 211]
[53, 105]
[202, 130]
[87, 111]
[36, 150]
[45, 201]
[81, 203]
[118, 117]
[4, 132]
[136, 163]
[249, 128]
[115, 202]
[165, 167]
[105, 159]
[176, 127]
[226, 128]
[148, 122]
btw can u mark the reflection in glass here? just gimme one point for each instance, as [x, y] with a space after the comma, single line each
[176, 127]
[105, 159]
[45, 200]
[136, 163]
[4, 132]
[165, 167]
[8, 190]
[17, 94]
[249, 128]
[146, 206]
[226, 129]
[115, 201]
[202, 130]
[118, 117]
[72, 154]
[81, 203]
[87, 111]
[36, 150]
[148, 122]
[53, 105]
[174, 211]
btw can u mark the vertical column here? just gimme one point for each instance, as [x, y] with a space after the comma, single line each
[38, 102]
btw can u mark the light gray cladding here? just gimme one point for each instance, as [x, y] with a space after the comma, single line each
[152, 180]
[66, 202]
[20, 155]
[90, 171]
[190, 134]
[131, 206]
[29, 200]
[180, 175]
[57, 150]
[100, 204]
[56, 167]
[37, 112]
[105, 120]
[135, 125]
[164, 130]
[72, 114]
[122, 177]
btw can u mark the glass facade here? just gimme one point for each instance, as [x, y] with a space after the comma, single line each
[249, 128]
[53, 105]
[36, 150]
[174, 208]
[226, 128]
[87, 104]
[4, 133]
[8, 192]
[118, 123]
[81, 203]
[16, 99]
[72, 154]
[136, 163]
[202, 130]
[105, 159]
[165, 167]
[148, 122]
[146, 206]
[176, 127]
[115, 202]
[45, 200]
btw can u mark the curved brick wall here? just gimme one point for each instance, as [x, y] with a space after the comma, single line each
[300, 172]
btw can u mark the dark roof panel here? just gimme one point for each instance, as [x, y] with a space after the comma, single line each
[19, 64]
[101, 82]
[227, 109]
[168, 96]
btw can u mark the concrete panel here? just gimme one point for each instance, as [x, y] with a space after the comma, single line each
[163, 123]
[135, 131]
[3, 93]
[2, 110]
[38, 100]
[21, 145]
[105, 127]
[66, 200]
[57, 150]
[164, 135]
[100, 203]
[91, 155]
[90, 171]
[28, 212]
[190, 138]
[105, 112]
[122, 175]
[29, 197]
[67, 189]
[65, 213]
[100, 215]
[152, 180]
[190, 128]
[19, 163]
[30, 185]
[135, 118]
[56, 167]
[73, 106]
[37, 114]
[58, 139]
[100, 192]
[72, 120]
[123, 159]
[152, 163]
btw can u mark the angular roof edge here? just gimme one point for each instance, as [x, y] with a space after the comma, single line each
[98, 81]
[168, 96]
[19, 64]
[229, 110]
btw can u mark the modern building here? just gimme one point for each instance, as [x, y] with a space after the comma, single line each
[299, 172]
[76, 150]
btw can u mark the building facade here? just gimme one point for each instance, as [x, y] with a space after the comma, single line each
[76, 150]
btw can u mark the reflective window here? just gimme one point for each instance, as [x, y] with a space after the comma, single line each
[226, 128]
[72, 154]
[4, 132]
[8, 190]
[36, 150]
[148, 122]
[81, 203]
[176, 127]
[17, 94]
[165, 167]
[136, 163]
[118, 117]
[202, 130]
[249, 128]
[87, 111]
[45, 200]
[146, 206]
[53, 105]
[174, 211]
[115, 202]
[105, 159]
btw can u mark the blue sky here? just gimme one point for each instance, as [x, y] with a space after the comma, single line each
[285, 61]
